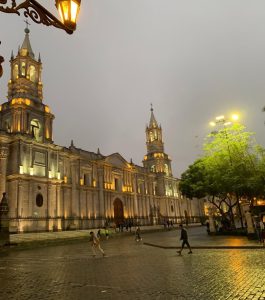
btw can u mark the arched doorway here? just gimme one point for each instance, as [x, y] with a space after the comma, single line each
[118, 212]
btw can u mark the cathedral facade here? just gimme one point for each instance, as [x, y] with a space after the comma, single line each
[51, 187]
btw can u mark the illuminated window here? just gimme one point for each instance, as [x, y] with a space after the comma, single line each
[39, 200]
[35, 129]
[166, 169]
[151, 136]
[15, 72]
[23, 68]
[32, 73]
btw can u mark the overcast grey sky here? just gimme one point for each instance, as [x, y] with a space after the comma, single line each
[193, 59]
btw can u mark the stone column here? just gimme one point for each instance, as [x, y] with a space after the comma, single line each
[3, 165]
[135, 203]
[50, 207]
[74, 198]
[58, 200]
[101, 208]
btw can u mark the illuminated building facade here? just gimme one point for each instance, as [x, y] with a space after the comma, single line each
[51, 187]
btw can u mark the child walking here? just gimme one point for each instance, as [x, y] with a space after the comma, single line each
[95, 244]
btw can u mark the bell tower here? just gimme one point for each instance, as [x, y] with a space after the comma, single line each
[25, 113]
[156, 160]
[25, 81]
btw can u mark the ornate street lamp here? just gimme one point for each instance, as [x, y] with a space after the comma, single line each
[68, 10]
[221, 120]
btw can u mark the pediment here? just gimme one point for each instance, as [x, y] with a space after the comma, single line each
[116, 160]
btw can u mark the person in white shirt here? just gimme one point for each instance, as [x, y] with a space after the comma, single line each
[95, 244]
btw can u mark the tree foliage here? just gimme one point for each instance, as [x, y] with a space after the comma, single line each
[232, 167]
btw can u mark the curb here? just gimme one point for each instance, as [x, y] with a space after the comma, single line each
[207, 247]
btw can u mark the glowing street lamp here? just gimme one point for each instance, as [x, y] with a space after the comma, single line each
[68, 10]
[221, 120]
[235, 117]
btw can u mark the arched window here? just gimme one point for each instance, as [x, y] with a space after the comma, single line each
[151, 136]
[166, 169]
[23, 69]
[39, 200]
[32, 73]
[153, 168]
[15, 72]
[155, 135]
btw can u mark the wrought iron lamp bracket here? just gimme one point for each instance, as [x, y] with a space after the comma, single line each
[35, 11]
[1, 61]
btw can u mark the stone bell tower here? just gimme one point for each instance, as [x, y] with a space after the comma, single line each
[24, 113]
[156, 160]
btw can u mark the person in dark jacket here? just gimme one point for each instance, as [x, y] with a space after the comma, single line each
[184, 239]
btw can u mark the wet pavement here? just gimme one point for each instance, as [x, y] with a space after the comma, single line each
[133, 270]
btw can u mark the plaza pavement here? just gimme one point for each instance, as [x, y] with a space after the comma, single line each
[197, 236]
[135, 271]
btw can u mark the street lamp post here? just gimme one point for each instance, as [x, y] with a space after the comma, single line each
[68, 11]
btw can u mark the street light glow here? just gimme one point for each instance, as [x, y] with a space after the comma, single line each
[222, 121]
[235, 117]
[220, 118]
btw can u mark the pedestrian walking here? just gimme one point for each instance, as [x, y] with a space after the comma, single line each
[95, 244]
[138, 234]
[184, 239]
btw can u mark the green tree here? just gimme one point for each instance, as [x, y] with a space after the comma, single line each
[231, 167]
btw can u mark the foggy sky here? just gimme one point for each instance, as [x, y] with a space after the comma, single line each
[193, 59]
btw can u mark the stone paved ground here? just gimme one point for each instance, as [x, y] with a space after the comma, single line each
[132, 271]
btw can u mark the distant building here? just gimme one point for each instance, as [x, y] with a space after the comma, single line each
[51, 187]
